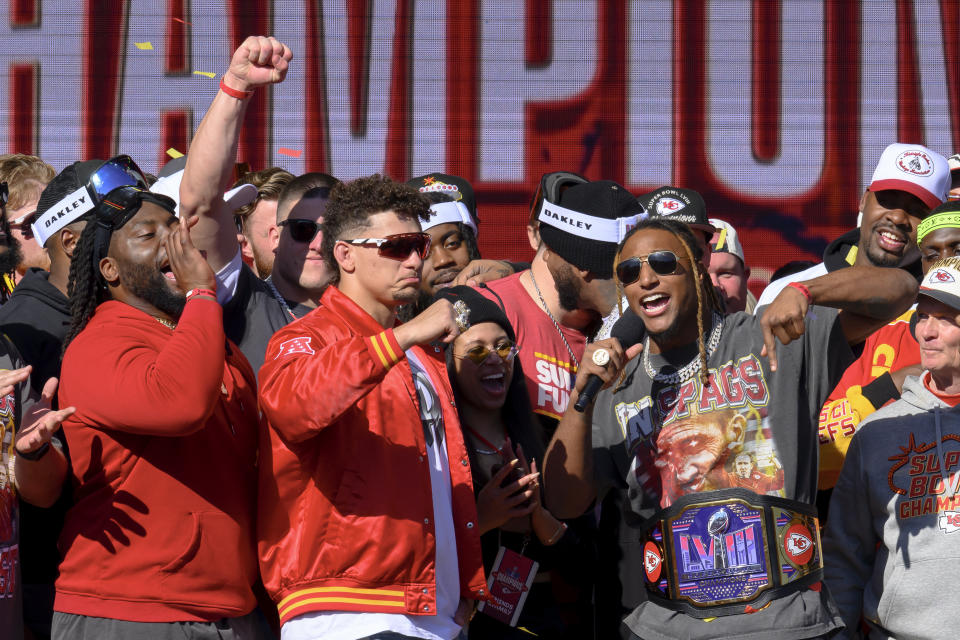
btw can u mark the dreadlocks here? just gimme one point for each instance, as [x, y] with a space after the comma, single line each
[86, 287]
[708, 300]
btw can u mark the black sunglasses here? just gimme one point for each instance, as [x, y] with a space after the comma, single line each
[398, 246]
[301, 230]
[663, 263]
[4, 193]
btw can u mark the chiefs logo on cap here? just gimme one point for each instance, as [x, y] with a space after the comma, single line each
[666, 206]
[941, 275]
[915, 162]
[652, 561]
[798, 544]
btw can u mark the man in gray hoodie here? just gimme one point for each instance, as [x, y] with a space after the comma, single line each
[893, 536]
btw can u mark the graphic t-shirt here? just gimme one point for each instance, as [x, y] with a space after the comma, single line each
[888, 349]
[543, 355]
[747, 427]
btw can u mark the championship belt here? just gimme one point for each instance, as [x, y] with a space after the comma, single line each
[712, 554]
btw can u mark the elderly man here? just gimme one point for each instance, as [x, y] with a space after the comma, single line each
[891, 539]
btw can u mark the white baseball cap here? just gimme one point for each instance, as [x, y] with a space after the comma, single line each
[942, 282]
[915, 169]
[235, 198]
[726, 240]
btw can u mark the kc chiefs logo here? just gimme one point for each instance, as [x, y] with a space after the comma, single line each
[798, 544]
[915, 162]
[941, 275]
[652, 561]
[294, 346]
[666, 206]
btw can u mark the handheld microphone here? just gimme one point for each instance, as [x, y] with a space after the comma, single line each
[629, 330]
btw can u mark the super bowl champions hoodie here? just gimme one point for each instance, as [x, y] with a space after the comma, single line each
[892, 541]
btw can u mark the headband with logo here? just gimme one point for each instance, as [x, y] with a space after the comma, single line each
[586, 226]
[65, 212]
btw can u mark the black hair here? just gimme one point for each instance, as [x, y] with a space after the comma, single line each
[707, 298]
[516, 415]
[86, 287]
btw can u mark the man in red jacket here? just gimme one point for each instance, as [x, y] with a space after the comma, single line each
[159, 541]
[367, 521]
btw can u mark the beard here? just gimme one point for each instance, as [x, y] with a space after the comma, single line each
[568, 288]
[151, 286]
[264, 264]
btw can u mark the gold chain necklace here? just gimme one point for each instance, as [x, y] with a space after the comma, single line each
[170, 324]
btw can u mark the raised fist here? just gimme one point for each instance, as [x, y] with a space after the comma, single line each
[259, 61]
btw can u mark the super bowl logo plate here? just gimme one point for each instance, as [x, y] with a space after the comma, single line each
[720, 553]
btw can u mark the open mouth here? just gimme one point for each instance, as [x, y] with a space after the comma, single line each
[494, 383]
[891, 241]
[167, 272]
[655, 303]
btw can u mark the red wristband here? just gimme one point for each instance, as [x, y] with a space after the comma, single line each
[201, 292]
[234, 93]
[802, 288]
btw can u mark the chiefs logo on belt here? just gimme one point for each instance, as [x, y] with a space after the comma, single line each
[652, 561]
[798, 544]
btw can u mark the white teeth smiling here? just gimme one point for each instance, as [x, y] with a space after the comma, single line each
[654, 302]
[494, 376]
[891, 236]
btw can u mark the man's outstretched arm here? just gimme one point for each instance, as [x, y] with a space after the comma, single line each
[867, 297]
[258, 62]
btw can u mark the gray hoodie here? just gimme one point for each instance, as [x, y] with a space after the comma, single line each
[892, 541]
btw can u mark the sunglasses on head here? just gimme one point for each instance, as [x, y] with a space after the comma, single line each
[663, 263]
[4, 193]
[119, 171]
[398, 246]
[479, 353]
[122, 203]
[301, 230]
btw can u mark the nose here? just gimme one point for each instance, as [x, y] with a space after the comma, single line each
[898, 216]
[648, 277]
[317, 241]
[714, 280]
[413, 260]
[926, 329]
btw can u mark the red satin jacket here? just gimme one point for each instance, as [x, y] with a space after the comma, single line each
[346, 514]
